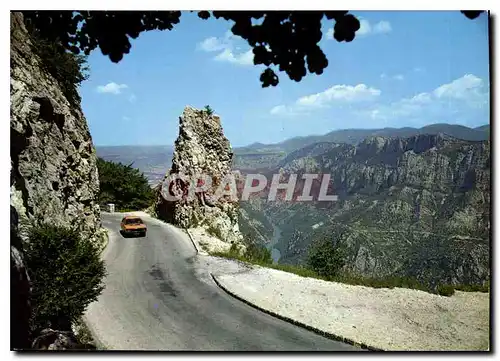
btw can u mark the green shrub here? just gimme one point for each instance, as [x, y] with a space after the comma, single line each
[234, 250]
[215, 232]
[445, 290]
[66, 272]
[196, 221]
[258, 254]
[124, 186]
[68, 69]
[325, 258]
[209, 110]
[299, 270]
[473, 288]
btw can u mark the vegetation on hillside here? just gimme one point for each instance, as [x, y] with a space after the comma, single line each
[325, 258]
[124, 186]
[66, 273]
[284, 40]
[325, 262]
[256, 254]
[69, 69]
[253, 224]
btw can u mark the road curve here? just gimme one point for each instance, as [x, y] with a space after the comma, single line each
[155, 300]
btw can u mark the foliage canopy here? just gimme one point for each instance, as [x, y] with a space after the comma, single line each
[287, 40]
[123, 185]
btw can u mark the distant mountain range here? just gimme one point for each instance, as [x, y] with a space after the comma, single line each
[154, 161]
[354, 136]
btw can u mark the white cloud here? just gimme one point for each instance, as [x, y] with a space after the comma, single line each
[461, 88]
[382, 27]
[132, 98]
[329, 33]
[335, 95]
[212, 44]
[227, 49]
[418, 69]
[227, 55]
[279, 109]
[465, 94]
[112, 88]
[365, 28]
[421, 98]
[396, 77]
[346, 93]
[126, 118]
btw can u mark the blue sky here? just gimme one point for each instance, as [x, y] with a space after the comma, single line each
[403, 69]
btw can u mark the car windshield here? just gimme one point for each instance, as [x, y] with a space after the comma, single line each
[133, 221]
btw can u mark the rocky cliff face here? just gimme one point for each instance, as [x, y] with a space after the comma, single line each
[20, 293]
[417, 206]
[53, 167]
[201, 149]
[53, 164]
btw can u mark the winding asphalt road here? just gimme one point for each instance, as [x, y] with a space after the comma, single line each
[155, 300]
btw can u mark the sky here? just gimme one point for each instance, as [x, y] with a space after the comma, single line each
[402, 69]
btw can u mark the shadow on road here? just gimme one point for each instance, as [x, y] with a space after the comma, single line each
[126, 235]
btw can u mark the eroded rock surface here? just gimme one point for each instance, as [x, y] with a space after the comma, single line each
[414, 207]
[201, 149]
[53, 160]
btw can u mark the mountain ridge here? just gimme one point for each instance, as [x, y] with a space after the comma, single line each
[355, 135]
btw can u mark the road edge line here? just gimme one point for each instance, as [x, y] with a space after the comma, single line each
[192, 241]
[106, 241]
[328, 335]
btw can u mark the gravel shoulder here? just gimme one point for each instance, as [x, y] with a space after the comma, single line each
[395, 319]
[390, 319]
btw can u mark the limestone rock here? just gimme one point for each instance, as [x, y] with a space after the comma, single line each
[201, 149]
[53, 161]
[58, 340]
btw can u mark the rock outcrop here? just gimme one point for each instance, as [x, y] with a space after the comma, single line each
[50, 339]
[200, 149]
[54, 175]
[53, 162]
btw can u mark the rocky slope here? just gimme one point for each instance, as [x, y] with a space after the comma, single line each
[53, 165]
[201, 149]
[416, 206]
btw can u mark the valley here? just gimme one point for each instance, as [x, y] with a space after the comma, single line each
[416, 206]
